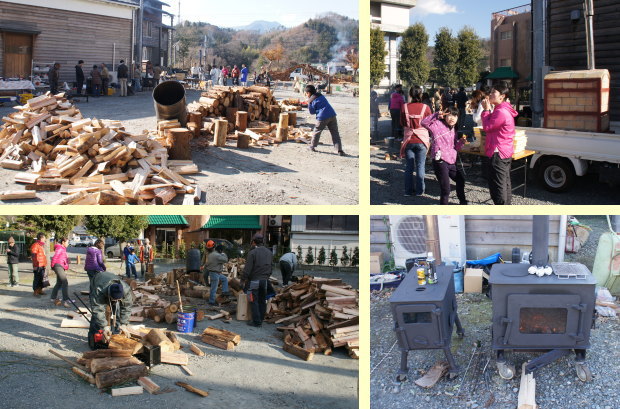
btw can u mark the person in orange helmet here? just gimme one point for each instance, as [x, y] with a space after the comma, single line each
[213, 262]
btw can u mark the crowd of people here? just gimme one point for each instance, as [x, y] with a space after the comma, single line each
[227, 75]
[434, 126]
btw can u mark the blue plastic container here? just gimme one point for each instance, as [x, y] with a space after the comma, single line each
[458, 280]
[185, 322]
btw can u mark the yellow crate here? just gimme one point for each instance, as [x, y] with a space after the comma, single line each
[111, 91]
[23, 98]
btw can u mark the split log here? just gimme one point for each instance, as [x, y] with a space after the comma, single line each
[241, 122]
[292, 118]
[298, 351]
[157, 336]
[433, 375]
[118, 341]
[190, 388]
[120, 375]
[282, 132]
[130, 390]
[150, 386]
[174, 358]
[84, 375]
[220, 338]
[107, 364]
[106, 353]
[18, 194]
[243, 140]
[196, 350]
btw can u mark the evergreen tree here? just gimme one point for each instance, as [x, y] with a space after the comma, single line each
[470, 54]
[413, 67]
[322, 256]
[309, 256]
[377, 56]
[300, 255]
[333, 258]
[344, 259]
[61, 226]
[446, 55]
[355, 258]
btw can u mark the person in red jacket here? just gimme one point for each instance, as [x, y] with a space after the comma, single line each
[39, 263]
[499, 126]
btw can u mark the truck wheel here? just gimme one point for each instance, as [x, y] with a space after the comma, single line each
[556, 174]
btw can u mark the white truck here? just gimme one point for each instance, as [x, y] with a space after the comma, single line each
[298, 73]
[563, 155]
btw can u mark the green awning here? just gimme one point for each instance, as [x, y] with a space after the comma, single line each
[502, 73]
[164, 220]
[233, 222]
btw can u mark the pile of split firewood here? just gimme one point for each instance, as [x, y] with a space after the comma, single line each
[118, 364]
[247, 115]
[92, 161]
[319, 314]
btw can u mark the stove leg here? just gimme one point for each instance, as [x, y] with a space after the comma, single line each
[402, 373]
[582, 369]
[459, 327]
[454, 369]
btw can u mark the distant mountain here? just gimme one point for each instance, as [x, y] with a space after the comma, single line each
[261, 26]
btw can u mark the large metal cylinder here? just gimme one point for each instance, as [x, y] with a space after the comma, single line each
[540, 240]
[192, 263]
[169, 99]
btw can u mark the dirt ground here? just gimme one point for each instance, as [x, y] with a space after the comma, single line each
[258, 370]
[285, 174]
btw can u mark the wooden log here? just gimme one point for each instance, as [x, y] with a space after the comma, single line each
[200, 315]
[195, 117]
[157, 336]
[273, 113]
[282, 132]
[292, 118]
[241, 121]
[119, 341]
[298, 351]
[84, 375]
[174, 358]
[107, 364]
[243, 140]
[120, 375]
[179, 148]
[221, 130]
[150, 386]
[231, 114]
[244, 311]
[106, 353]
[111, 198]
[164, 195]
[190, 388]
[222, 334]
[129, 390]
[171, 318]
[18, 194]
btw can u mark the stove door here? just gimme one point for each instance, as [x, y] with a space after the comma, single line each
[544, 320]
[419, 326]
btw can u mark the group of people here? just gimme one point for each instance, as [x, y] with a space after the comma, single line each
[431, 127]
[224, 75]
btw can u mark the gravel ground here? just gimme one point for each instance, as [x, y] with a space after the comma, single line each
[31, 377]
[284, 174]
[479, 386]
[387, 183]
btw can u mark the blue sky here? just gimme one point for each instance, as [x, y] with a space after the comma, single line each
[458, 13]
[242, 12]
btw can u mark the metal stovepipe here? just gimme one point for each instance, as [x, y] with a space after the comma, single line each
[540, 240]
[588, 7]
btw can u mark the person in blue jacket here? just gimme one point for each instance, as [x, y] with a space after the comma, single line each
[244, 75]
[326, 118]
[131, 261]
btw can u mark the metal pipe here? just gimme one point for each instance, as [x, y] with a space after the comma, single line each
[538, 60]
[540, 240]
[169, 100]
[588, 7]
[432, 237]
[562, 239]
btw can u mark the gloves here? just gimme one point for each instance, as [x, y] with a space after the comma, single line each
[107, 333]
[219, 248]
[125, 331]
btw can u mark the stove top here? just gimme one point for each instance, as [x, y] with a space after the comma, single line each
[563, 273]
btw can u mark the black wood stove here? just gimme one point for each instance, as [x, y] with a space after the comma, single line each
[424, 316]
[542, 308]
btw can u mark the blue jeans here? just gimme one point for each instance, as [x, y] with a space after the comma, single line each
[215, 279]
[415, 159]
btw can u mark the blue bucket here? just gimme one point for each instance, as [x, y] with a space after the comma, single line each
[185, 322]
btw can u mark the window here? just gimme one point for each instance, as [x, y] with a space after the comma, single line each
[337, 223]
[165, 235]
[505, 62]
[505, 35]
[148, 29]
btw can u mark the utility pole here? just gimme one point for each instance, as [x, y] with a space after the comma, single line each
[139, 33]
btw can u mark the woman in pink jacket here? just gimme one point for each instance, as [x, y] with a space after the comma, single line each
[397, 102]
[60, 265]
[499, 126]
[445, 144]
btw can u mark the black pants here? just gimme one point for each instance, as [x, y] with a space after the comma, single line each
[500, 186]
[287, 271]
[54, 87]
[37, 281]
[258, 301]
[61, 282]
[444, 172]
[396, 129]
[79, 85]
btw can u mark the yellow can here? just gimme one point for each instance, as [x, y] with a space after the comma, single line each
[421, 276]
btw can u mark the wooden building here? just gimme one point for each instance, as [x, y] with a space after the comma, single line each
[565, 47]
[156, 35]
[36, 34]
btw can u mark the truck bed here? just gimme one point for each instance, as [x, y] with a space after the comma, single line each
[591, 146]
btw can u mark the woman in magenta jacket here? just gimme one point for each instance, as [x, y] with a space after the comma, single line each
[499, 126]
[397, 101]
[445, 144]
[60, 265]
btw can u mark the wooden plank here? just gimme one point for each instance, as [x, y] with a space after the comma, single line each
[74, 323]
[129, 390]
[174, 358]
[527, 390]
[187, 370]
[18, 194]
[196, 350]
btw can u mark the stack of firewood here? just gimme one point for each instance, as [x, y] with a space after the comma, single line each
[319, 314]
[256, 101]
[93, 161]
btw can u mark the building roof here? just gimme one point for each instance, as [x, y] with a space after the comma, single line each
[233, 222]
[502, 73]
[128, 3]
[405, 3]
[165, 220]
